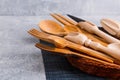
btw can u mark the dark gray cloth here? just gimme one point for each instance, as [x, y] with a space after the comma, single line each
[58, 68]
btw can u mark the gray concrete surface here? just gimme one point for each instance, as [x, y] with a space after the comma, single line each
[19, 58]
[44, 7]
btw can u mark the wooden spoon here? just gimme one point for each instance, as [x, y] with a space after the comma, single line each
[111, 26]
[90, 27]
[52, 27]
[62, 43]
[71, 28]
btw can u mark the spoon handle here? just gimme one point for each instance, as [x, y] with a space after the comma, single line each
[113, 53]
[105, 36]
[99, 47]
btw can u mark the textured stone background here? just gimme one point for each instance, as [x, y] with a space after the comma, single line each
[19, 58]
[44, 7]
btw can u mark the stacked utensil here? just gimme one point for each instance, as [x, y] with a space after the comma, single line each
[83, 39]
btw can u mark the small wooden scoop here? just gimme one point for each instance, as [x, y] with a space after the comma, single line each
[65, 52]
[111, 26]
[62, 43]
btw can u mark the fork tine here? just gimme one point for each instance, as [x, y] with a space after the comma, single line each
[36, 33]
[60, 19]
[40, 35]
[67, 19]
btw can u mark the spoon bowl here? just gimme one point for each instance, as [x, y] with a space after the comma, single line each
[52, 27]
[71, 28]
[111, 26]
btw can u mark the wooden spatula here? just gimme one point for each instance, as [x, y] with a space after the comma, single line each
[65, 52]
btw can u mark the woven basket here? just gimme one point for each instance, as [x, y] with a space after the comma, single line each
[96, 68]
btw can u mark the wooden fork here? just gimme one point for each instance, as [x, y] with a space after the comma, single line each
[66, 21]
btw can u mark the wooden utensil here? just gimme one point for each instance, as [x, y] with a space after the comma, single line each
[71, 28]
[63, 18]
[66, 52]
[83, 40]
[92, 28]
[62, 43]
[67, 22]
[111, 26]
[60, 19]
[54, 27]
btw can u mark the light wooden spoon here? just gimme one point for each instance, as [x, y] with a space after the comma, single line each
[111, 26]
[90, 27]
[52, 27]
